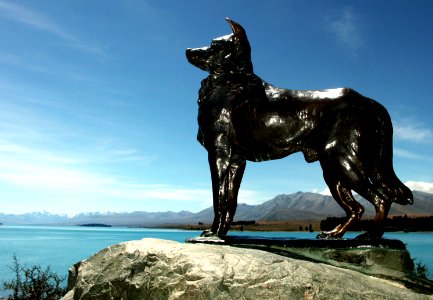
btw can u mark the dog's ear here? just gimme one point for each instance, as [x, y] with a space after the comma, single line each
[239, 32]
[237, 28]
[243, 49]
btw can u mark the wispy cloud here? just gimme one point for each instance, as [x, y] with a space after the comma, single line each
[39, 21]
[88, 179]
[31, 18]
[345, 27]
[49, 171]
[30, 166]
[413, 131]
[411, 155]
[40, 153]
[158, 192]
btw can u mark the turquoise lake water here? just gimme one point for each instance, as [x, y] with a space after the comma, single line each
[61, 247]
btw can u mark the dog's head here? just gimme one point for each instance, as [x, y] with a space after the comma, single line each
[227, 54]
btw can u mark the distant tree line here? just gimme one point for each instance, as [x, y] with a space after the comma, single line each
[243, 223]
[396, 223]
[307, 228]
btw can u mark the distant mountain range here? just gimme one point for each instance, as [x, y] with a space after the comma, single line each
[298, 206]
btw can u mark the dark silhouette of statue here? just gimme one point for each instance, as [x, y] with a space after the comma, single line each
[241, 117]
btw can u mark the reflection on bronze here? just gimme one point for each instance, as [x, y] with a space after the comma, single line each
[241, 117]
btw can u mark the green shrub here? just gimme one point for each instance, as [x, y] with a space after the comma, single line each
[34, 283]
[421, 270]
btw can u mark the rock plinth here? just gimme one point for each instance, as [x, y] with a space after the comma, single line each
[383, 258]
[161, 269]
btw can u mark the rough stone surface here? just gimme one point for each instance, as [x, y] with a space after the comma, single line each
[161, 269]
[372, 261]
[382, 258]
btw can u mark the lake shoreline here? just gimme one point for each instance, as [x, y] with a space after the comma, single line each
[273, 227]
[289, 226]
[259, 226]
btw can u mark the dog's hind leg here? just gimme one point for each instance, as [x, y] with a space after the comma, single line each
[350, 171]
[345, 199]
[381, 206]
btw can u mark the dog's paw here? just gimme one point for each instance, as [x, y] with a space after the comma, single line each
[208, 233]
[207, 237]
[322, 236]
[328, 236]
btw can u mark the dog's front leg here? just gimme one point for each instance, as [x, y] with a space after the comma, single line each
[219, 162]
[227, 172]
[235, 174]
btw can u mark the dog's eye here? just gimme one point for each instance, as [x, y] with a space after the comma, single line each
[220, 43]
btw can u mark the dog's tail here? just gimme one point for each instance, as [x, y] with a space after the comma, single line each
[384, 177]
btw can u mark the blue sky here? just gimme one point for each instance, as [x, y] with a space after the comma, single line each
[98, 104]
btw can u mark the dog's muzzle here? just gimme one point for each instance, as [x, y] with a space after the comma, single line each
[196, 57]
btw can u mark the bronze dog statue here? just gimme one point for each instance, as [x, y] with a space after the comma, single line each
[241, 117]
